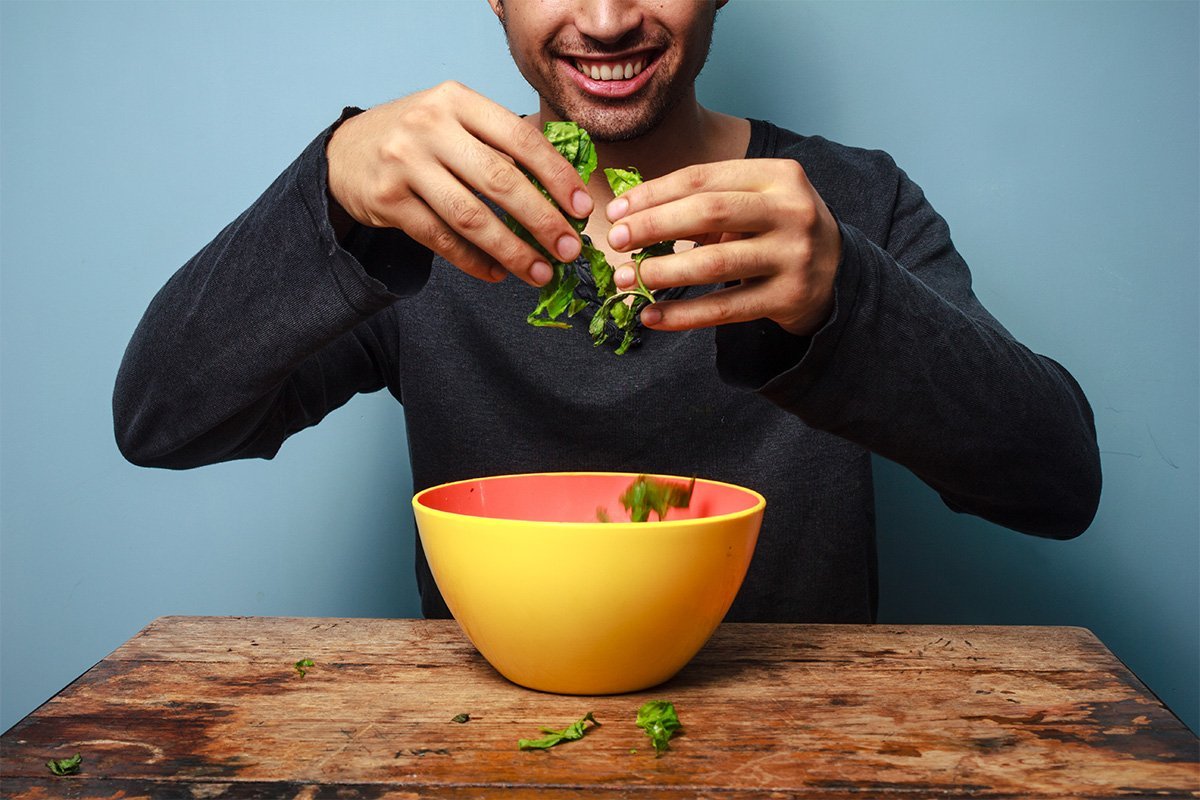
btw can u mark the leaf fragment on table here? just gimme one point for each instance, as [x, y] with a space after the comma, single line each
[660, 722]
[303, 665]
[65, 766]
[461, 718]
[574, 731]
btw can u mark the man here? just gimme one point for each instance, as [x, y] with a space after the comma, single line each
[826, 316]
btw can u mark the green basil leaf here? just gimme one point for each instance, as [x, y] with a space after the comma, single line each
[597, 326]
[574, 144]
[625, 343]
[574, 731]
[622, 180]
[623, 316]
[557, 298]
[660, 249]
[660, 722]
[602, 271]
[648, 494]
[65, 766]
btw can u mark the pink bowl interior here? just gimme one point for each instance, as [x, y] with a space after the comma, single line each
[571, 498]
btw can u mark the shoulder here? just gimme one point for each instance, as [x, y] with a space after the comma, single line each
[853, 181]
[816, 153]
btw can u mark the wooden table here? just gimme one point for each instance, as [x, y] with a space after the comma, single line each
[196, 707]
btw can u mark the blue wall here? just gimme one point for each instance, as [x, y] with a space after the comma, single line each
[1060, 140]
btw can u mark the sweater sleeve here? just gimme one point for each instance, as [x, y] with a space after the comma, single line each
[912, 367]
[264, 331]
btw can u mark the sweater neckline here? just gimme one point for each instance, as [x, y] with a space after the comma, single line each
[763, 137]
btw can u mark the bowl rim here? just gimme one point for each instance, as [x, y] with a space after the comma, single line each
[760, 502]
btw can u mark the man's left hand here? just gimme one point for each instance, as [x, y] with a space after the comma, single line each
[761, 224]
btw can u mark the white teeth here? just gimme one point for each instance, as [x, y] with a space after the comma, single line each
[610, 72]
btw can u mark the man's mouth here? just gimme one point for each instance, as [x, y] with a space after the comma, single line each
[614, 77]
[611, 70]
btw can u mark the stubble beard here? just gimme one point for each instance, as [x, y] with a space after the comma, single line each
[614, 120]
[617, 122]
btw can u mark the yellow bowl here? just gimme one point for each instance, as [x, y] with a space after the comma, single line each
[558, 601]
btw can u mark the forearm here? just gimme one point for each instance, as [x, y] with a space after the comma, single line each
[912, 368]
[996, 429]
[258, 335]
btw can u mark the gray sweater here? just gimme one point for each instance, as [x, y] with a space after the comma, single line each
[276, 323]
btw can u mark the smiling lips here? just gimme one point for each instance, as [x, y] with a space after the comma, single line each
[611, 70]
[613, 78]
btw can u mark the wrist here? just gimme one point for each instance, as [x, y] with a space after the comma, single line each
[339, 218]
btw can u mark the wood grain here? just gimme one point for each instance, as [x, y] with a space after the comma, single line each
[212, 707]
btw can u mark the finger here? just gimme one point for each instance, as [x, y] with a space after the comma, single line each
[483, 169]
[426, 227]
[703, 266]
[465, 216]
[624, 275]
[702, 216]
[744, 175]
[469, 218]
[520, 140]
[722, 307]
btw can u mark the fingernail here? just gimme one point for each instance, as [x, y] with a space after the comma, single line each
[619, 236]
[541, 273]
[498, 273]
[617, 208]
[624, 276]
[581, 202]
[651, 316]
[568, 248]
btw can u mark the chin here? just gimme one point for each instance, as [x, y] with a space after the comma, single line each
[611, 128]
[612, 123]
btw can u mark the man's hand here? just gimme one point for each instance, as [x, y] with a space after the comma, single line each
[760, 222]
[416, 164]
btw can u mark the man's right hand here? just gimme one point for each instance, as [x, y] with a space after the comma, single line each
[417, 162]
